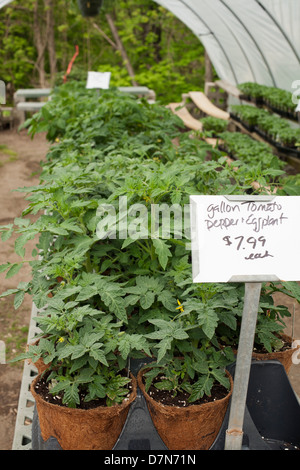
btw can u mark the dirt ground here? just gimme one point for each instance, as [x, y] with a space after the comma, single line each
[19, 167]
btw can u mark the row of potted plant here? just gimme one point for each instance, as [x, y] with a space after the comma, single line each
[212, 126]
[114, 287]
[244, 149]
[272, 127]
[274, 98]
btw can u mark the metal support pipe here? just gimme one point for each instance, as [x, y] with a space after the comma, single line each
[234, 433]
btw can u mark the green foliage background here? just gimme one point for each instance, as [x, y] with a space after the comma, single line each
[165, 55]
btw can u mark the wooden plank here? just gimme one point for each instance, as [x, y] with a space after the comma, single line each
[32, 93]
[137, 90]
[205, 105]
[30, 105]
[194, 124]
[231, 89]
[187, 118]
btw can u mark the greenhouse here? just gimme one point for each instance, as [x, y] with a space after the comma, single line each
[150, 263]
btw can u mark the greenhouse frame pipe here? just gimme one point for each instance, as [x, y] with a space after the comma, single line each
[251, 36]
[220, 44]
[280, 29]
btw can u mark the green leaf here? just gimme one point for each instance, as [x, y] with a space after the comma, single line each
[7, 234]
[292, 289]
[164, 385]
[57, 230]
[71, 395]
[208, 319]
[67, 292]
[124, 346]
[179, 333]
[21, 241]
[114, 302]
[160, 323]
[228, 318]
[86, 293]
[72, 227]
[147, 300]
[4, 267]
[221, 377]
[9, 292]
[162, 251]
[19, 297]
[78, 351]
[15, 268]
[131, 299]
[44, 241]
[21, 222]
[127, 242]
[163, 347]
[168, 301]
[202, 387]
[98, 355]
[67, 351]
[96, 389]
[78, 363]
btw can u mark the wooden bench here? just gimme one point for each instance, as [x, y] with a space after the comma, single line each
[192, 123]
[23, 94]
[205, 105]
[32, 106]
[189, 121]
[41, 95]
[139, 91]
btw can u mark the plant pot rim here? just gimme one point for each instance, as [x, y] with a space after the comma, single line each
[193, 427]
[282, 336]
[117, 408]
[290, 349]
[183, 409]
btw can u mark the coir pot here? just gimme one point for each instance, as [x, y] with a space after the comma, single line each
[194, 427]
[284, 356]
[79, 429]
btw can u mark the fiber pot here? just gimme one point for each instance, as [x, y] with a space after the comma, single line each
[187, 428]
[285, 357]
[78, 429]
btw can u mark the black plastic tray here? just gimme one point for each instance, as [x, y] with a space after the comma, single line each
[271, 422]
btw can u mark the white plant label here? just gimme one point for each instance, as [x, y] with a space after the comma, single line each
[245, 238]
[98, 80]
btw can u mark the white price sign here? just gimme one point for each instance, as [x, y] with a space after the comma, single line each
[245, 238]
[98, 80]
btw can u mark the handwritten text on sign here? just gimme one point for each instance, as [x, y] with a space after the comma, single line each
[245, 236]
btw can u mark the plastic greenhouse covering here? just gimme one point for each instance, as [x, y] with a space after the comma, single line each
[4, 2]
[256, 41]
[253, 40]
